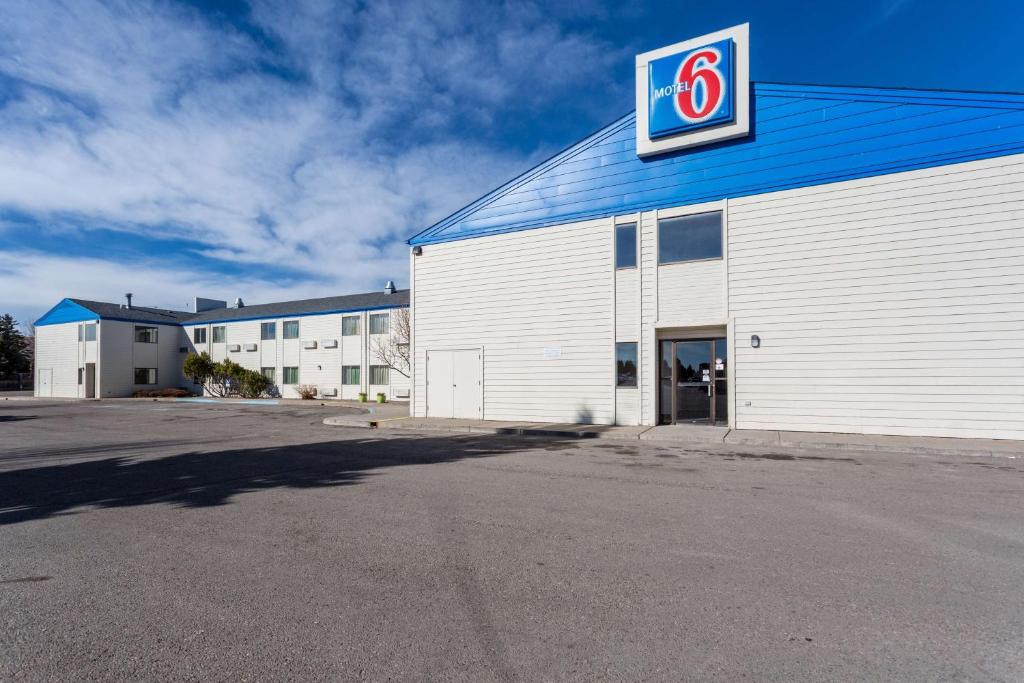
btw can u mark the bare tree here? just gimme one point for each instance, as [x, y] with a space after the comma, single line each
[393, 350]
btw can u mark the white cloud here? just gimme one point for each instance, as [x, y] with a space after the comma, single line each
[151, 119]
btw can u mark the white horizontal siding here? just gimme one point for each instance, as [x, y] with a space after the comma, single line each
[515, 295]
[889, 305]
[692, 293]
[58, 352]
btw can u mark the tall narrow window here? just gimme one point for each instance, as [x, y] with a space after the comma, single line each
[690, 238]
[625, 245]
[289, 375]
[269, 373]
[145, 335]
[350, 375]
[625, 364]
[291, 329]
[89, 332]
[219, 335]
[268, 331]
[378, 375]
[379, 323]
[350, 325]
[199, 335]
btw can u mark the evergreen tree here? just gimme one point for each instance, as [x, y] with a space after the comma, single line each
[14, 355]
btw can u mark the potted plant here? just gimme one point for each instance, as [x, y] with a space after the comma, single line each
[362, 397]
[381, 398]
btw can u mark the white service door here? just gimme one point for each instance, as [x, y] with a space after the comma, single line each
[45, 382]
[440, 393]
[453, 384]
[466, 384]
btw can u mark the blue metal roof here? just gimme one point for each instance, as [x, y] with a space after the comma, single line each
[67, 311]
[801, 135]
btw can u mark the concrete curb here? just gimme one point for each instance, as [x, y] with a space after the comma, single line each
[811, 441]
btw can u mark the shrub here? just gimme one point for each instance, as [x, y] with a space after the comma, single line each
[252, 384]
[162, 393]
[306, 392]
[198, 367]
[226, 378]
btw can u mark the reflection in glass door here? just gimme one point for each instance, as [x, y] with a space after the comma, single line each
[693, 381]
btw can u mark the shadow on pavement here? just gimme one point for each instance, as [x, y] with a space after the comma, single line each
[196, 479]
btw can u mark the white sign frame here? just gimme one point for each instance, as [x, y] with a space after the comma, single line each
[739, 127]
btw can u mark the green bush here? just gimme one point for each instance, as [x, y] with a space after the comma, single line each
[252, 384]
[226, 378]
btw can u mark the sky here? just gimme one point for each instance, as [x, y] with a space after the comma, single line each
[284, 150]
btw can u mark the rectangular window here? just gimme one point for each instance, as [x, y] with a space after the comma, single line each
[378, 375]
[290, 375]
[625, 245]
[268, 331]
[291, 329]
[625, 364]
[81, 373]
[269, 373]
[350, 374]
[350, 325]
[89, 332]
[219, 335]
[690, 238]
[379, 323]
[145, 335]
[145, 375]
[199, 335]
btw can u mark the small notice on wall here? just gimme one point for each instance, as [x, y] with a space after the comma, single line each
[552, 351]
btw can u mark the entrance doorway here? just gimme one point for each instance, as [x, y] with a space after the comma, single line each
[693, 381]
[90, 380]
[454, 384]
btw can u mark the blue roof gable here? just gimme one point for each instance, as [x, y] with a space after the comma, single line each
[67, 311]
[801, 135]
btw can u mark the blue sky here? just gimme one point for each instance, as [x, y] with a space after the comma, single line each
[275, 150]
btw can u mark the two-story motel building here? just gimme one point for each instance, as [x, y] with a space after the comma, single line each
[87, 349]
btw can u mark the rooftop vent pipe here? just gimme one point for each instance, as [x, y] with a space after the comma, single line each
[389, 288]
[128, 296]
[239, 303]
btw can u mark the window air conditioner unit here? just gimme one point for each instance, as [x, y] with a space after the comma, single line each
[329, 391]
[329, 343]
[309, 344]
[234, 348]
[250, 347]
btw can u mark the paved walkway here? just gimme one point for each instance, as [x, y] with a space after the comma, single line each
[394, 416]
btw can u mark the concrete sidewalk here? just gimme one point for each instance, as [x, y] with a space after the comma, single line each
[390, 416]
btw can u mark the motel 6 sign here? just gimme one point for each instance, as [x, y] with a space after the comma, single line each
[693, 93]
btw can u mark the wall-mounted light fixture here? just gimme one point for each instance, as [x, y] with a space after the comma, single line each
[755, 341]
[417, 250]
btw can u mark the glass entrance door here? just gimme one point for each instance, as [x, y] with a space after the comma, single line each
[693, 382]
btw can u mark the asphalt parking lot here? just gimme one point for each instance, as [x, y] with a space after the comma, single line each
[152, 540]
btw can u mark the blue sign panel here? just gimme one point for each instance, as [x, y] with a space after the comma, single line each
[691, 89]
